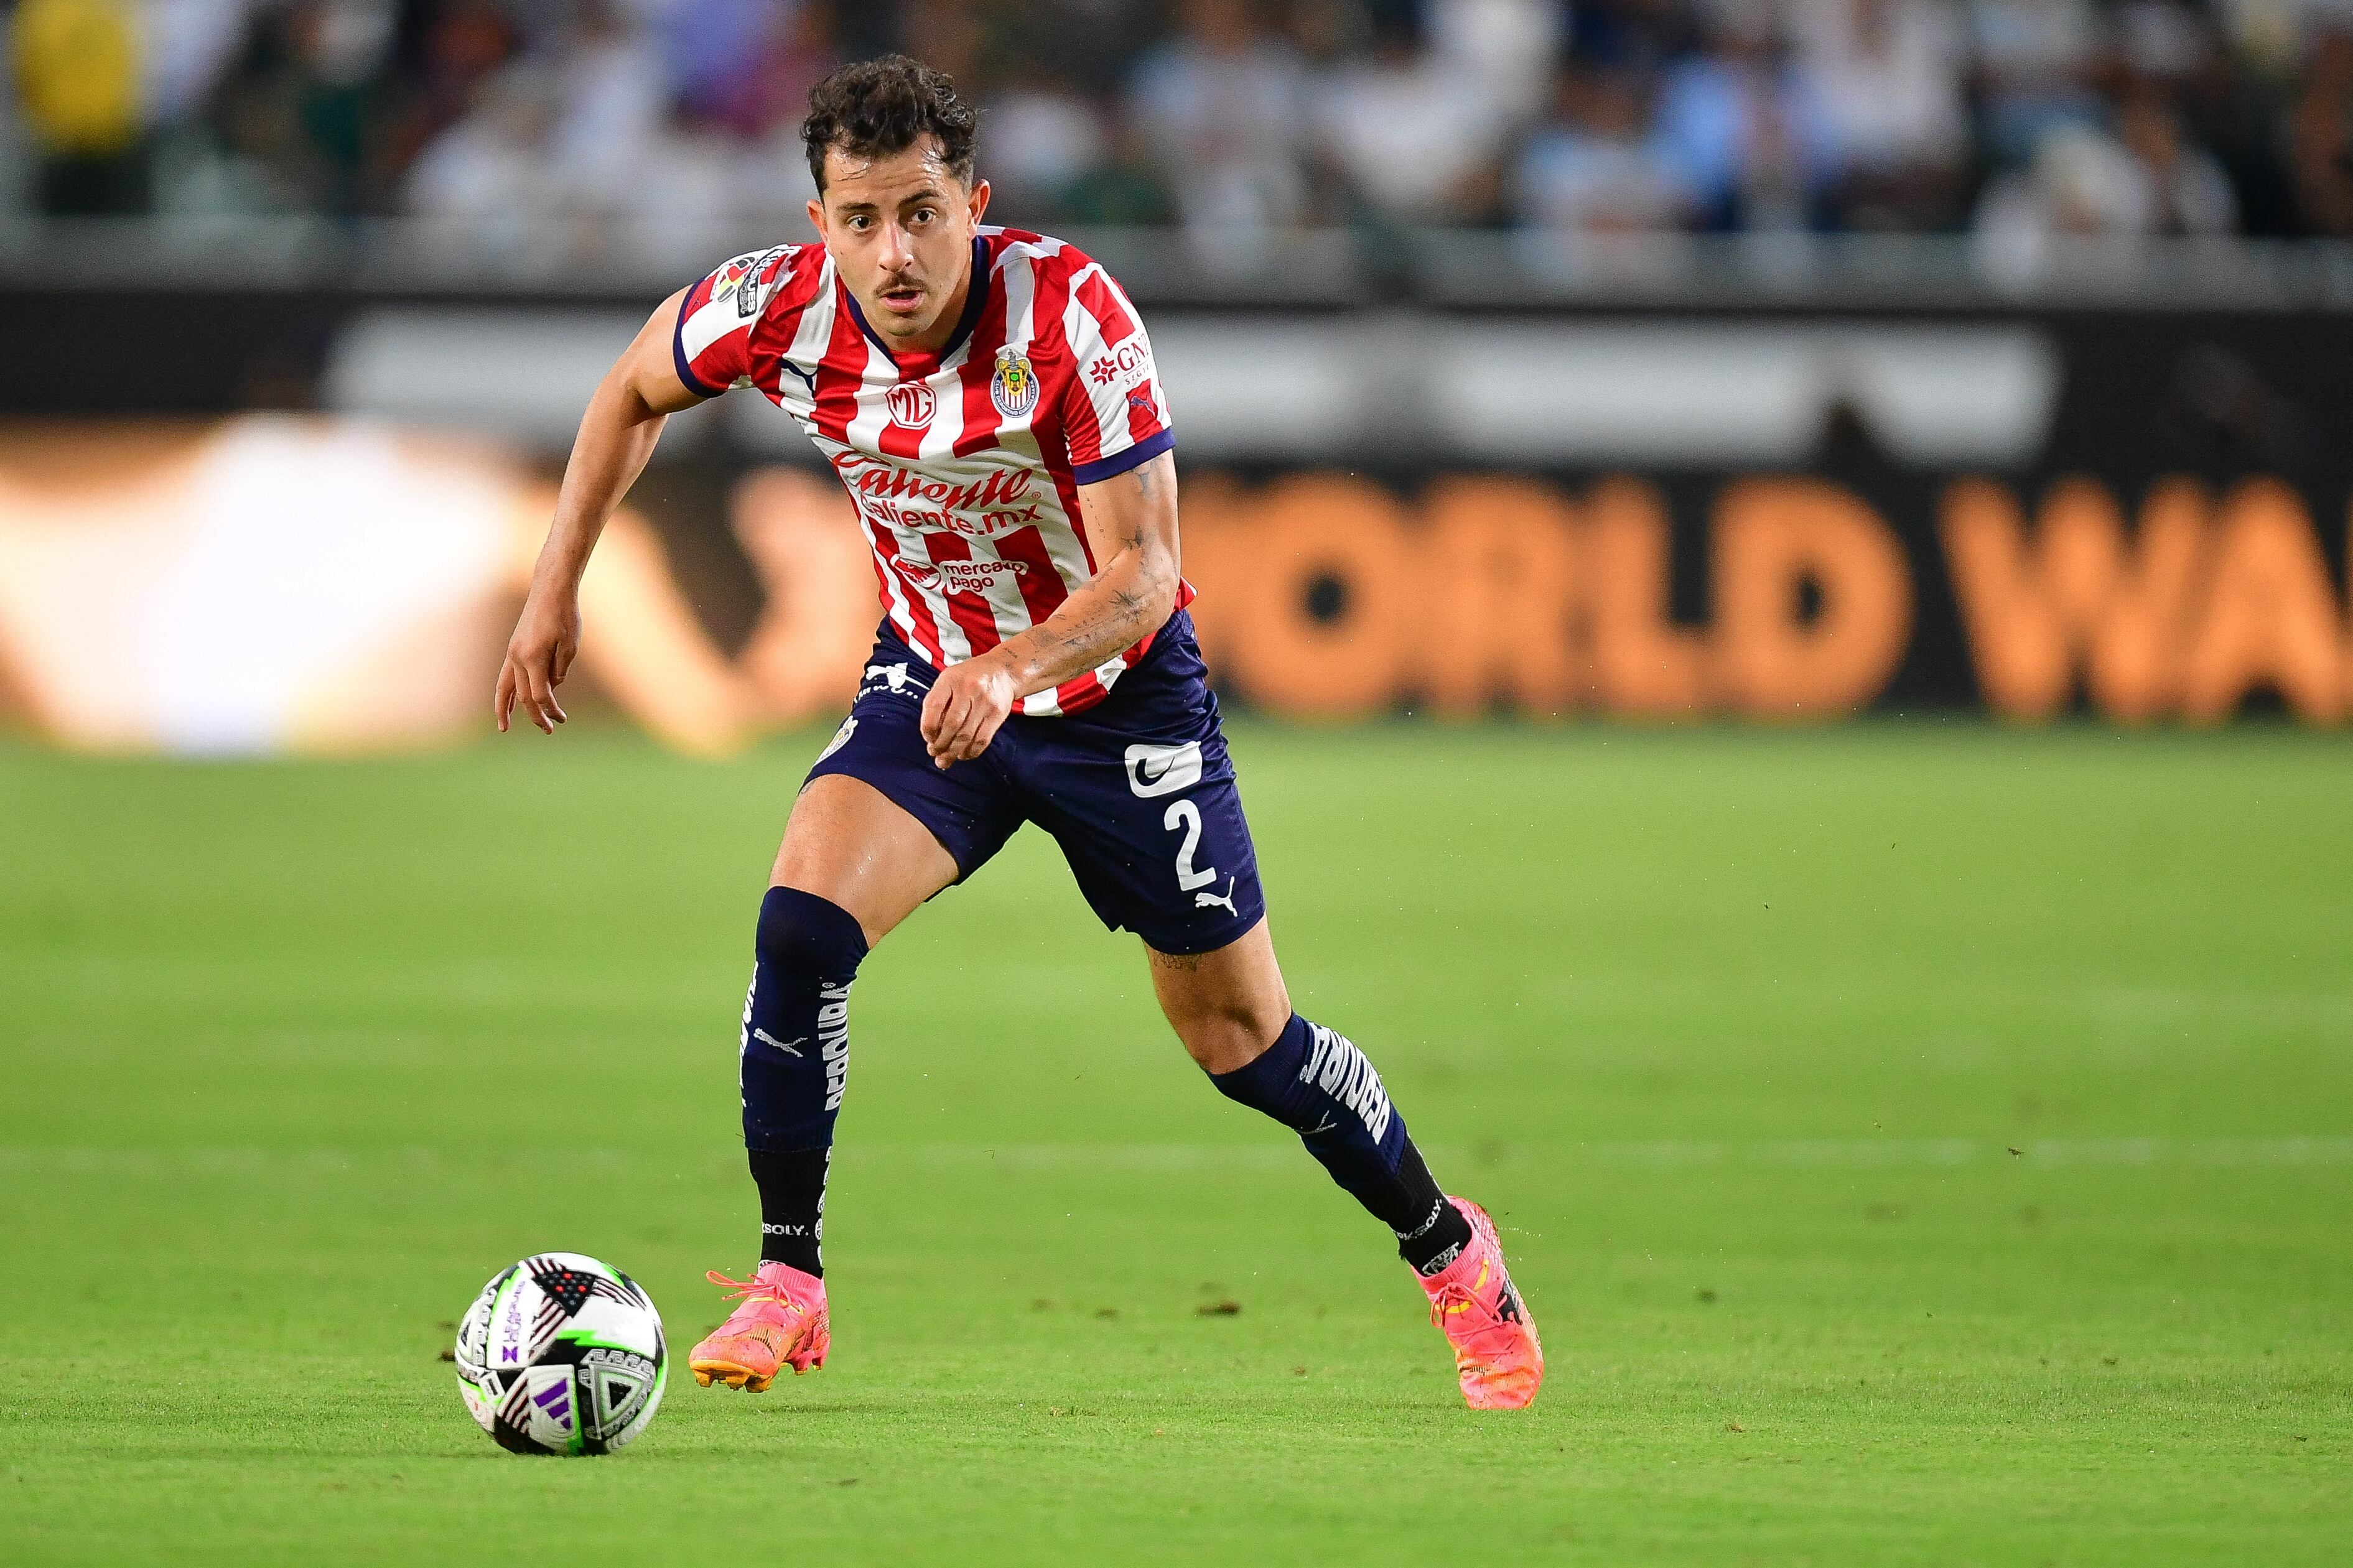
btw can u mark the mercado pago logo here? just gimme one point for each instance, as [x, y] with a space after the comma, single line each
[959, 576]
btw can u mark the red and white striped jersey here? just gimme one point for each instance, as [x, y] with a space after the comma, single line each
[965, 466]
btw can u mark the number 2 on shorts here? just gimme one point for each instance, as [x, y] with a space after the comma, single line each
[1187, 813]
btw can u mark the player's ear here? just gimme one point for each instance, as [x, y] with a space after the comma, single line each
[980, 199]
[817, 215]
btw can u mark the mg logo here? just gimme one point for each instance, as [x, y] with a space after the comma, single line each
[911, 404]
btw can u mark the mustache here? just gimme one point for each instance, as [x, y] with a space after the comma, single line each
[899, 281]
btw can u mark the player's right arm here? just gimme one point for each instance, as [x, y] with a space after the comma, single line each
[616, 437]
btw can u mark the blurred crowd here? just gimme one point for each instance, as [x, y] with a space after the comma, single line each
[2017, 118]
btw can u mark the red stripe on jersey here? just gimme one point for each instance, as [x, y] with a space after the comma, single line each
[772, 335]
[1050, 346]
[1082, 438]
[840, 374]
[1041, 587]
[1080, 692]
[886, 567]
[970, 610]
[1102, 301]
[1049, 342]
[1082, 435]
[981, 420]
[898, 441]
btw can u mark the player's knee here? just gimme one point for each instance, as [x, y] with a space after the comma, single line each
[804, 936]
[1226, 1034]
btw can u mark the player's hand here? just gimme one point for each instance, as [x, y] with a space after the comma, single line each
[967, 705]
[539, 655]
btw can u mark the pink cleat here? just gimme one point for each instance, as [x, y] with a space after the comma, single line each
[1496, 1354]
[781, 1323]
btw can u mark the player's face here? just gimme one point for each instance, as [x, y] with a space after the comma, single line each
[900, 230]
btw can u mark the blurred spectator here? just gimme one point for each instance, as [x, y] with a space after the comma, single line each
[612, 95]
[715, 49]
[76, 65]
[301, 111]
[189, 44]
[1221, 106]
[2085, 184]
[945, 34]
[447, 52]
[2081, 184]
[2036, 62]
[2320, 137]
[1887, 75]
[491, 168]
[1590, 168]
[1508, 46]
[766, 90]
[1124, 188]
[2269, 34]
[1629, 35]
[2186, 191]
[1042, 138]
[2162, 40]
[1412, 136]
[1747, 132]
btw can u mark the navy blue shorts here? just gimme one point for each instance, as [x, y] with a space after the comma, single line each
[1137, 790]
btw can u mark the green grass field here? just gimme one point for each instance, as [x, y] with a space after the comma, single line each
[1918, 1145]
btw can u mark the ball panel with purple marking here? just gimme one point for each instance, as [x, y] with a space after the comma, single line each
[561, 1354]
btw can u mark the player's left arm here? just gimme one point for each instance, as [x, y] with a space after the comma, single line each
[1126, 601]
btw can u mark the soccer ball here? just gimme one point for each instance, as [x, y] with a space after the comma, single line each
[561, 1354]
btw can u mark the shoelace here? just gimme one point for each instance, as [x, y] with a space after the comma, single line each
[1450, 1299]
[752, 1291]
[1479, 1340]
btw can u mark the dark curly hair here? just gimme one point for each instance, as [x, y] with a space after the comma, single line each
[876, 107]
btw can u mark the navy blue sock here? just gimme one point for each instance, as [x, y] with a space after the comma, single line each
[795, 1061]
[1317, 1083]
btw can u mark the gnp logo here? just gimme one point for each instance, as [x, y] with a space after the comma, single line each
[911, 404]
[1123, 361]
[959, 576]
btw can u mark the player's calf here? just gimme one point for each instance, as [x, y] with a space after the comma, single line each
[795, 1065]
[1317, 1083]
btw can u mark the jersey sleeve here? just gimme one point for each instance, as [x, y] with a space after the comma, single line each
[712, 342]
[1114, 412]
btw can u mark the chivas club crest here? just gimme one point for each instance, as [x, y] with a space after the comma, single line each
[912, 405]
[1014, 387]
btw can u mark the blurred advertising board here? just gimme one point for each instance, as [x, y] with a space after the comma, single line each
[331, 583]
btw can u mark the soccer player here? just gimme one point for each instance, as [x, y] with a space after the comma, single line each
[988, 398]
